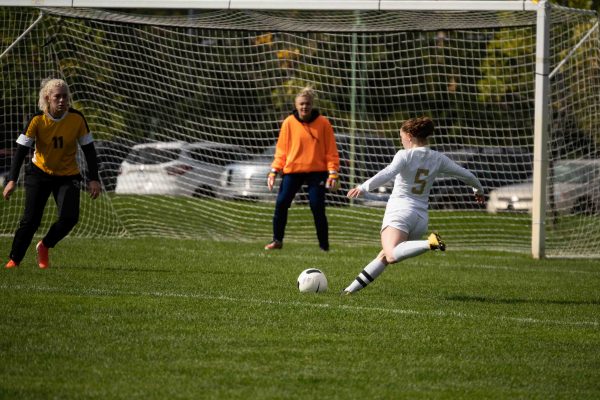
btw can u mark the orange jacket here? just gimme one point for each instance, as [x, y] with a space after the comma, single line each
[306, 146]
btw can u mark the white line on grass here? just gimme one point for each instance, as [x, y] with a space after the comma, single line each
[526, 270]
[551, 270]
[442, 314]
[441, 262]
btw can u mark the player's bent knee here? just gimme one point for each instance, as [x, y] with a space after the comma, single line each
[390, 259]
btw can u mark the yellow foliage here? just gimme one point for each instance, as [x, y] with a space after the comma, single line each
[267, 38]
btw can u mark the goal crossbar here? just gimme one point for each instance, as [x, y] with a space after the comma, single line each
[373, 5]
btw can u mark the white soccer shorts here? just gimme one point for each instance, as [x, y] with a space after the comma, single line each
[407, 220]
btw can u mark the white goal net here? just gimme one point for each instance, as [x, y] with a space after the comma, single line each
[185, 110]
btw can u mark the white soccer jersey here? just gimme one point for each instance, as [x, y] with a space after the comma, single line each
[415, 171]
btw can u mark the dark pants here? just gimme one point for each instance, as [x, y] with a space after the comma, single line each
[290, 184]
[38, 187]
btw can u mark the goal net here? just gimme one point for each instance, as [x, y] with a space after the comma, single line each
[185, 110]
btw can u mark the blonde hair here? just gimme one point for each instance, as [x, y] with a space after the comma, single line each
[308, 92]
[47, 85]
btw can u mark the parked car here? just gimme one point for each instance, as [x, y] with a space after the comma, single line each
[493, 166]
[5, 160]
[576, 188]
[3, 178]
[369, 155]
[110, 155]
[247, 179]
[5, 164]
[176, 168]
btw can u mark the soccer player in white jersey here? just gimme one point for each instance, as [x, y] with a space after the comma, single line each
[406, 218]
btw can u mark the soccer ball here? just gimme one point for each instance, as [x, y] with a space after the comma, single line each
[312, 280]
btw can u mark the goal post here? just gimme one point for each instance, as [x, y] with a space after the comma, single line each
[540, 137]
[511, 85]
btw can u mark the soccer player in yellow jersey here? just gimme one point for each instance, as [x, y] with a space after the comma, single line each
[54, 133]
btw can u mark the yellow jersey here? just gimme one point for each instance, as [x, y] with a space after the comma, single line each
[56, 141]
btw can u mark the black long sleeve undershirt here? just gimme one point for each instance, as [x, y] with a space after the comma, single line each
[89, 151]
[17, 162]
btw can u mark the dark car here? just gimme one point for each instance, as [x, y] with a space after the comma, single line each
[362, 157]
[493, 166]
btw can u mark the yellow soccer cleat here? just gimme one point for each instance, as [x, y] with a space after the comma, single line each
[436, 242]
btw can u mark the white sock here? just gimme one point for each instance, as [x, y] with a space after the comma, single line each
[367, 275]
[410, 249]
[403, 251]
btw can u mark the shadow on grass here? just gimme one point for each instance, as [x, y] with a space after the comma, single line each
[188, 271]
[492, 300]
[116, 269]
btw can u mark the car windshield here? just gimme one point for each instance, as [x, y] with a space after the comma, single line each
[574, 173]
[217, 156]
[268, 152]
[265, 157]
[152, 155]
[366, 156]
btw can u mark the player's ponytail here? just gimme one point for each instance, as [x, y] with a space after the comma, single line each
[420, 128]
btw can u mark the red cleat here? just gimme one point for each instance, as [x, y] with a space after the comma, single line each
[274, 245]
[42, 255]
[11, 264]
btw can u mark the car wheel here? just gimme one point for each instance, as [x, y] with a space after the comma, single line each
[204, 191]
[337, 199]
[586, 205]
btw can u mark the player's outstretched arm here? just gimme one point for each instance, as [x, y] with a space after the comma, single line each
[353, 193]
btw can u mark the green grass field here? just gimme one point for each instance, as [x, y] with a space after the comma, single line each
[166, 319]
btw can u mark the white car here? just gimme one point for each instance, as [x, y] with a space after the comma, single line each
[176, 168]
[576, 189]
[247, 179]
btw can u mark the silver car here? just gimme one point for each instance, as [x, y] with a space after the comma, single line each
[576, 189]
[176, 168]
[247, 179]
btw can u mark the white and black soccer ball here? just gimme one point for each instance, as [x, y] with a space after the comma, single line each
[312, 280]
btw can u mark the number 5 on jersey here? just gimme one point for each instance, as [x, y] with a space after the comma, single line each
[420, 181]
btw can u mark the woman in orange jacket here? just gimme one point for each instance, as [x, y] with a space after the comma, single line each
[306, 153]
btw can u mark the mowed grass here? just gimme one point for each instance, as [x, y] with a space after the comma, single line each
[174, 319]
